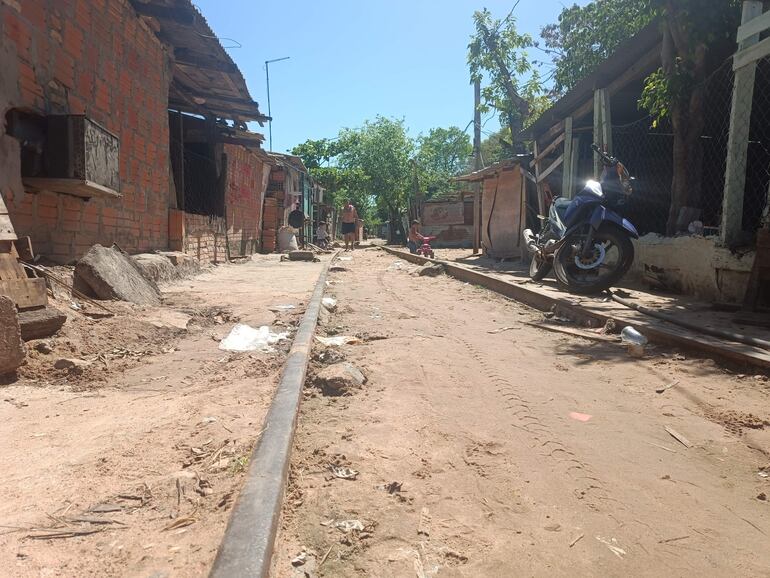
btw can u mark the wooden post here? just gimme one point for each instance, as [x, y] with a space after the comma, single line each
[567, 176]
[738, 140]
[602, 126]
[538, 188]
[476, 166]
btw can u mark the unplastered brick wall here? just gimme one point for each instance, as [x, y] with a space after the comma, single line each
[92, 57]
[247, 176]
[205, 238]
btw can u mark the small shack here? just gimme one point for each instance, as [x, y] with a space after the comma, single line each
[507, 194]
[449, 218]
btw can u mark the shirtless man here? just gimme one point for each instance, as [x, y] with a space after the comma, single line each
[349, 219]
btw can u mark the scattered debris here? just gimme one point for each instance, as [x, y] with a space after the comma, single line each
[325, 556]
[340, 378]
[576, 540]
[243, 337]
[500, 330]
[433, 270]
[397, 265]
[665, 387]
[423, 528]
[662, 447]
[329, 303]
[347, 526]
[580, 416]
[43, 347]
[668, 540]
[337, 340]
[109, 273]
[105, 508]
[71, 364]
[393, 487]
[299, 560]
[278, 308]
[343, 473]
[301, 256]
[762, 497]
[40, 323]
[346, 258]
[635, 341]
[678, 437]
[612, 545]
[553, 528]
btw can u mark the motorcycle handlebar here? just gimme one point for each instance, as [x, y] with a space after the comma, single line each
[607, 159]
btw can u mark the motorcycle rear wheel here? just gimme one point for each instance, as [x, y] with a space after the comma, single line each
[538, 268]
[618, 251]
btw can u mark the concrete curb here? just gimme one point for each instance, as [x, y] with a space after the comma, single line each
[247, 546]
[655, 330]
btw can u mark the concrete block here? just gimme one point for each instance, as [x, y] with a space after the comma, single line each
[12, 351]
[108, 273]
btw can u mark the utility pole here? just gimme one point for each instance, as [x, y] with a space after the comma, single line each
[476, 165]
[269, 112]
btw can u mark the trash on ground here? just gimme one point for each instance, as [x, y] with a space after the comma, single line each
[299, 560]
[763, 472]
[635, 341]
[612, 545]
[330, 303]
[349, 525]
[396, 265]
[337, 340]
[339, 378]
[281, 307]
[678, 437]
[665, 387]
[346, 258]
[433, 270]
[243, 337]
[576, 540]
[501, 329]
[393, 487]
[580, 416]
[343, 473]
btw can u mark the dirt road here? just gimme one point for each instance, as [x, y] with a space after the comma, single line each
[130, 466]
[519, 452]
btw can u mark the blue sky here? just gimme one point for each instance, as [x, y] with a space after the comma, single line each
[354, 59]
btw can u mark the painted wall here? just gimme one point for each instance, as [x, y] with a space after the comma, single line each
[693, 266]
[92, 57]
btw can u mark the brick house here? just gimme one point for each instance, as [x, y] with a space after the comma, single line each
[89, 153]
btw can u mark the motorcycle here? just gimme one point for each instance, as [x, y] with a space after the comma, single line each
[587, 244]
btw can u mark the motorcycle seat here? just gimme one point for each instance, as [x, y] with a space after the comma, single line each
[560, 205]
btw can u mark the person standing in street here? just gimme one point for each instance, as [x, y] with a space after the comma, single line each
[297, 220]
[349, 220]
[415, 237]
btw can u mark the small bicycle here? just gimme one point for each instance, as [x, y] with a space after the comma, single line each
[425, 249]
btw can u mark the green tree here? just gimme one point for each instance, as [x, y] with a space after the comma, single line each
[678, 89]
[495, 146]
[499, 52]
[381, 150]
[442, 154]
[587, 35]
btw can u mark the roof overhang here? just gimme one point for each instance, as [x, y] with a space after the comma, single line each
[206, 81]
[493, 170]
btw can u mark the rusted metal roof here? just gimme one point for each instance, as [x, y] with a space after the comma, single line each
[206, 80]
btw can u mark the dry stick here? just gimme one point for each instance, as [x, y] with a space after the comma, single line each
[673, 539]
[64, 284]
[321, 563]
[576, 540]
[662, 447]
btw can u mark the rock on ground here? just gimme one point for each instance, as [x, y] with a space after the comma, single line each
[301, 256]
[340, 377]
[166, 265]
[432, 270]
[12, 352]
[40, 323]
[108, 273]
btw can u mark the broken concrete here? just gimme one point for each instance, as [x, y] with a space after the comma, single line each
[108, 273]
[301, 256]
[12, 351]
[432, 270]
[40, 323]
[340, 378]
[73, 365]
[156, 267]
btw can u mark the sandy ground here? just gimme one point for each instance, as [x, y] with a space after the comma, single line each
[130, 467]
[519, 452]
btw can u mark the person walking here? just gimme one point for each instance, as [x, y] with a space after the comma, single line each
[297, 220]
[349, 220]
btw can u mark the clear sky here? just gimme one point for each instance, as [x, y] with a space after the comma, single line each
[354, 59]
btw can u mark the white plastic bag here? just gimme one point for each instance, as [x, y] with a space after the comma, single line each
[243, 337]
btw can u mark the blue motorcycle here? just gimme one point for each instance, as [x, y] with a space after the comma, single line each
[587, 244]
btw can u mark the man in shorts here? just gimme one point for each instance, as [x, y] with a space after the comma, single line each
[349, 219]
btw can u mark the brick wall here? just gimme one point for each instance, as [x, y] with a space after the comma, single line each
[92, 57]
[247, 176]
[204, 238]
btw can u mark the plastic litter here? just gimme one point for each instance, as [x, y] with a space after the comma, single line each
[337, 340]
[349, 525]
[282, 307]
[346, 258]
[635, 341]
[330, 303]
[396, 265]
[243, 337]
[343, 473]
[580, 416]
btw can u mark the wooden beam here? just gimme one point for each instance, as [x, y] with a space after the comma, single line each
[540, 197]
[25, 292]
[751, 54]
[547, 150]
[550, 169]
[738, 139]
[753, 27]
[566, 179]
[552, 132]
[189, 57]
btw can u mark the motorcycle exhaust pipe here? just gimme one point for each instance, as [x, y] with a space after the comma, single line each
[530, 241]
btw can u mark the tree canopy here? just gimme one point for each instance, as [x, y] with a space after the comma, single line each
[442, 154]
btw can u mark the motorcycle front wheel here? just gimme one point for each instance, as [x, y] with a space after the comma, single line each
[610, 259]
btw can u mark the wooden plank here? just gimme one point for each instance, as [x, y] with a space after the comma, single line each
[584, 334]
[552, 132]
[566, 179]
[550, 169]
[751, 54]
[25, 292]
[10, 268]
[540, 197]
[753, 27]
[547, 150]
